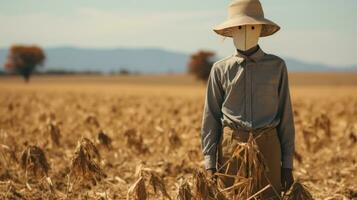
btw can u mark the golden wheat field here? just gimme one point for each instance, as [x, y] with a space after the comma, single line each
[138, 137]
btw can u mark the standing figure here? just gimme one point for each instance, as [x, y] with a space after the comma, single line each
[248, 93]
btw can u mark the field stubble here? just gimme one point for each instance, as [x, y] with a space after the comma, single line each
[103, 140]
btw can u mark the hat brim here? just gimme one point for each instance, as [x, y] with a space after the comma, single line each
[269, 27]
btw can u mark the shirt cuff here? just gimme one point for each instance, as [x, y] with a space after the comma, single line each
[288, 162]
[210, 161]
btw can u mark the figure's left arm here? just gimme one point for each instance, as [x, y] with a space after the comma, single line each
[286, 128]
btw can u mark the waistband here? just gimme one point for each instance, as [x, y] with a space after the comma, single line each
[240, 133]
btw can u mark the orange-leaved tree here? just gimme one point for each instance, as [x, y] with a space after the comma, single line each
[24, 59]
[200, 64]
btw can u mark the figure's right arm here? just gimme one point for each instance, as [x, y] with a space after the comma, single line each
[211, 123]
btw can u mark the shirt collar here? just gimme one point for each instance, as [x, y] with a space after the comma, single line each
[257, 56]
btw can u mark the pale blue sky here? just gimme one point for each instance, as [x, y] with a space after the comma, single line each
[321, 31]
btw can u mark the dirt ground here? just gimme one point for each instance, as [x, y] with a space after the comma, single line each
[154, 124]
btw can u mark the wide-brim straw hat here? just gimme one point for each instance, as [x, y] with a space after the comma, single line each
[246, 12]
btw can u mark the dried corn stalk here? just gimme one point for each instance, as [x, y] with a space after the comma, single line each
[184, 191]
[93, 121]
[135, 141]
[33, 160]
[323, 122]
[158, 184]
[206, 189]
[137, 191]
[174, 139]
[55, 133]
[104, 140]
[298, 192]
[153, 179]
[7, 155]
[84, 164]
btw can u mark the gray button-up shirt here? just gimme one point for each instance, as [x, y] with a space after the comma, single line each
[248, 93]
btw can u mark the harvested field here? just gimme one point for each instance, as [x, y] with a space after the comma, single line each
[104, 136]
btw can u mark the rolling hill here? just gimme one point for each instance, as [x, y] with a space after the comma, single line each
[144, 60]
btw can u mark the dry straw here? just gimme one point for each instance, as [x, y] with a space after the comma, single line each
[7, 155]
[157, 183]
[11, 192]
[104, 140]
[298, 191]
[135, 141]
[206, 189]
[34, 162]
[250, 174]
[84, 164]
[93, 121]
[184, 191]
[55, 133]
[149, 177]
[138, 190]
[174, 139]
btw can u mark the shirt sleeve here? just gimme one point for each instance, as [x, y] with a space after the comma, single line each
[211, 122]
[286, 129]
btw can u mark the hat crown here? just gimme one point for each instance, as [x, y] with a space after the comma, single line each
[251, 8]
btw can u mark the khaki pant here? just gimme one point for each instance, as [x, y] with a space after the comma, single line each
[269, 146]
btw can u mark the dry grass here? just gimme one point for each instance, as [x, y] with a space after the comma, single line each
[251, 172]
[55, 133]
[149, 177]
[85, 163]
[298, 191]
[184, 191]
[7, 156]
[135, 141]
[105, 140]
[138, 190]
[33, 161]
[205, 188]
[156, 126]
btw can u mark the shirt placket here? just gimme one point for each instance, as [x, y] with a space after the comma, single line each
[248, 94]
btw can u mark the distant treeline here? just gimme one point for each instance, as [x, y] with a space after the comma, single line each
[68, 72]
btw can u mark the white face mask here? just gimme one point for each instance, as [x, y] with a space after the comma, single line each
[246, 37]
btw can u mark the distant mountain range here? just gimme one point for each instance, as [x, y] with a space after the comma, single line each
[138, 60]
